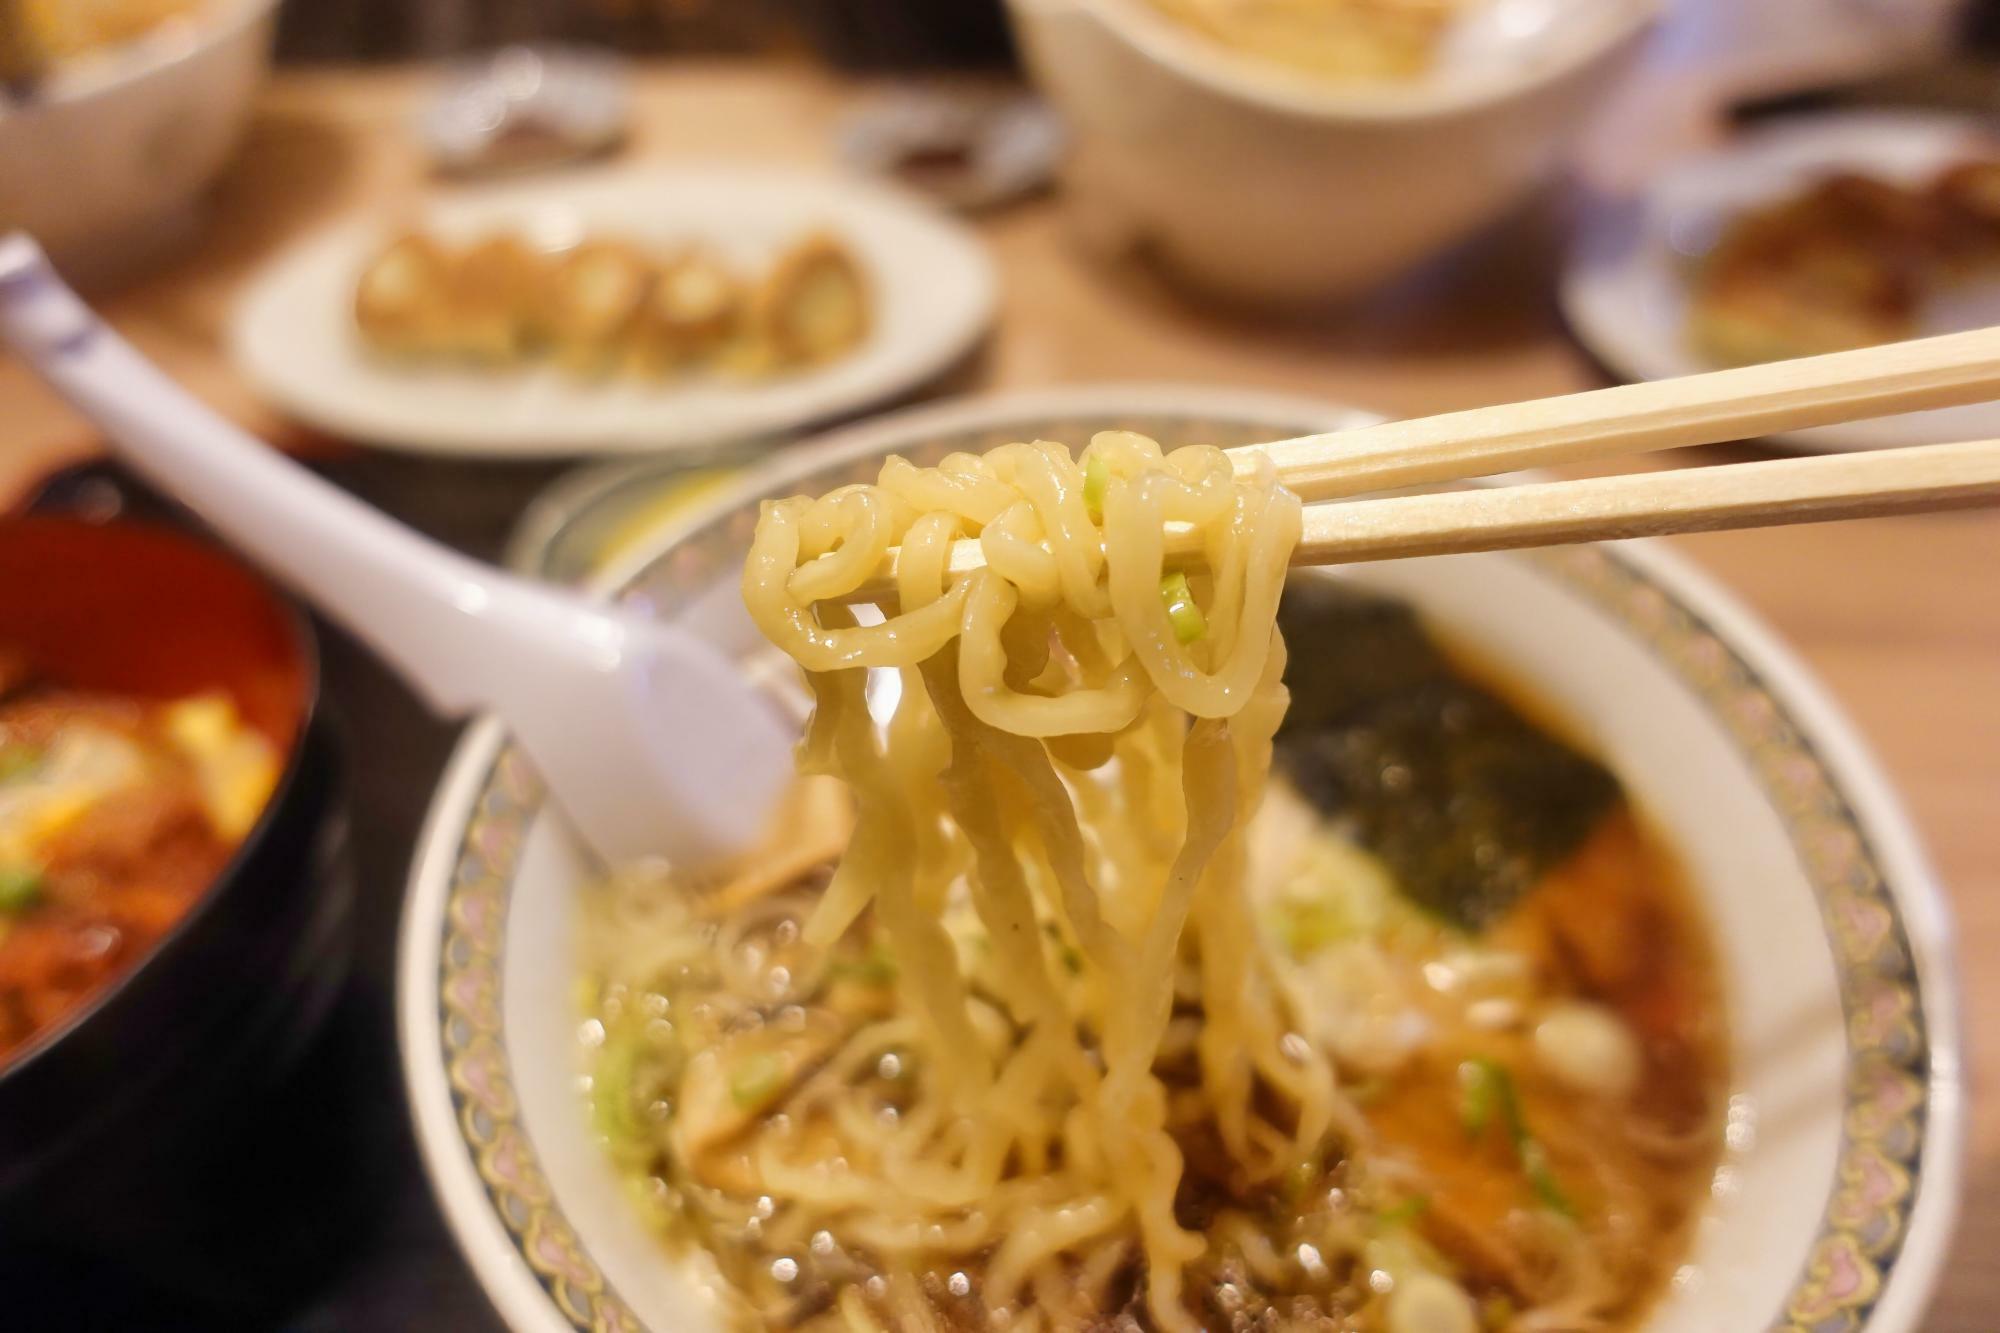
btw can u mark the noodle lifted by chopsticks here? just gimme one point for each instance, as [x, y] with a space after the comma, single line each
[1099, 756]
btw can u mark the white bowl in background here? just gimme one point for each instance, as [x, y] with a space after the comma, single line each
[1833, 1206]
[1270, 186]
[103, 163]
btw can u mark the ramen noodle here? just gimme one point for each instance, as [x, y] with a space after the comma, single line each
[1052, 1007]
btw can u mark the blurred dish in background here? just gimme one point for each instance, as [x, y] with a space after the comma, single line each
[1331, 39]
[1812, 234]
[115, 813]
[151, 695]
[127, 1121]
[525, 107]
[57, 30]
[172, 843]
[897, 297]
[605, 307]
[1850, 261]
[104, 155]
[1264, 183]
[968, 149]
[1774, 48]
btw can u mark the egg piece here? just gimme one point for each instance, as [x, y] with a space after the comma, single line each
[1428, 1303]
[83, 765]
[236, 767]
[1361, 1010]
[1589, 1049]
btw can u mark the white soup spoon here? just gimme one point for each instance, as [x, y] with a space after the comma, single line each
[649, 737]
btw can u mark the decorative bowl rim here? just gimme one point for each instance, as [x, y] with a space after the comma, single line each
[529, 1300]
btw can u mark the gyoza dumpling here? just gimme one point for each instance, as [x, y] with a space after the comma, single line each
[594, 302]
[814, 305]
[498, 289]
[403, 302]
[695, 305]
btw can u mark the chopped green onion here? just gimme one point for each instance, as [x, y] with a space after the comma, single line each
[1510, 1108]
[1482, 1086]
[1306, 927]
[20, 889]
[1366, 1091]
[878, 968]
[1300, 1177]
[611, 1082]
[753, 1081]
[1188, 622]
[17, 760]
[1542, 1178]
[1096, 477]
[1409, 1210]
[1071, 958]
[1490, 1094]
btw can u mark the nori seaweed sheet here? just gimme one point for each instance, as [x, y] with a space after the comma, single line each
[1465, 800]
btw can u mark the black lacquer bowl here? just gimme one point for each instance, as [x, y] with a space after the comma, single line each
[158, 1123]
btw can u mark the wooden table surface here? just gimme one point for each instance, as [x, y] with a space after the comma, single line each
[1900, 617]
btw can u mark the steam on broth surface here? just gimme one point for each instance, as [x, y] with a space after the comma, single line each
[1064, 1010]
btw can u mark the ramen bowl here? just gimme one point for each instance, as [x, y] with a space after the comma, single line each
[1269, 186]
[1833, 1199]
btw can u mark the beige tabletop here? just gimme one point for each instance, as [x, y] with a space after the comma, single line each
[1900, 617]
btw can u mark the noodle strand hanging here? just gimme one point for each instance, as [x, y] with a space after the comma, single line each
[1022, 1032]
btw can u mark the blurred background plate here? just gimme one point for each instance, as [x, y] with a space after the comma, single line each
[1625, 289]
[293, 335]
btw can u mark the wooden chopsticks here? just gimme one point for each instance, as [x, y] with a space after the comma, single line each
[1645, 504]
[1946, 371]
[1653, 504]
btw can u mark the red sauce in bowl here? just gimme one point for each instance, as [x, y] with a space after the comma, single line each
[150, 693]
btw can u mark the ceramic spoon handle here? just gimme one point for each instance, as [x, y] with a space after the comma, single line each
[648, 735]
[414, 601]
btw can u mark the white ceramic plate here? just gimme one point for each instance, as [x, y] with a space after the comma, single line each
[294, 334]
[1833, 1206]
[1624, 290]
